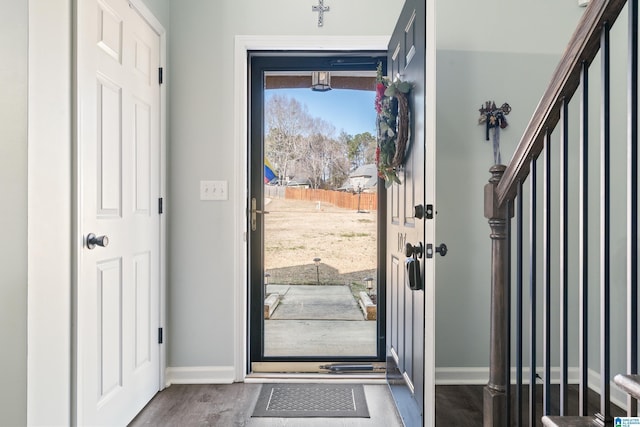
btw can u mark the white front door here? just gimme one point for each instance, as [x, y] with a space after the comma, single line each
[118, 152]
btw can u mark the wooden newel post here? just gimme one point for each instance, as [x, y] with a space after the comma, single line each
[495, 397]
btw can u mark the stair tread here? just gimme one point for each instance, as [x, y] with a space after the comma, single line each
[557, 421]
[629, 383]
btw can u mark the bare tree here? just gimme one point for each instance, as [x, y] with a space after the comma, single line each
[317, 154]
[339, 166]
[296, 141]
[287, 123]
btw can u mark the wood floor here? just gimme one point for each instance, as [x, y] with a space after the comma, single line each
[231, 406]
[461, 405]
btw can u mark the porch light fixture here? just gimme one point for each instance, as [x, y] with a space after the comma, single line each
[320, 81]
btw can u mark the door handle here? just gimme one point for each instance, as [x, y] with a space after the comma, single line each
[418, 211]
[441, 249]
[423, 211]
[414, 278]
[414, 251]
[254, 213]
[93, 241]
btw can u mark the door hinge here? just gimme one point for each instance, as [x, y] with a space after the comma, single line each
[160, 337]
[160, 75]
[160, 207]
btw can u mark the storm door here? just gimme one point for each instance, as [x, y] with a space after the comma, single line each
[316, 229]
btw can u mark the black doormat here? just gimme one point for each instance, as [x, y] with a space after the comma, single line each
[311, 400]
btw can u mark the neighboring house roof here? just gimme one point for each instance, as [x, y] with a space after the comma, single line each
[299, 182]
[366, 176]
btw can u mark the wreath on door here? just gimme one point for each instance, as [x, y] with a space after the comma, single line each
[392, 122]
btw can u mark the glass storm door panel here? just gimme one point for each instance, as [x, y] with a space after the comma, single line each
[315, 286]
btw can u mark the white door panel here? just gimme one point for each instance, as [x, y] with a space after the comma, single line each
[118, 364]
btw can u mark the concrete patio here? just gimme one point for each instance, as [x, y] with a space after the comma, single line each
[319, 320]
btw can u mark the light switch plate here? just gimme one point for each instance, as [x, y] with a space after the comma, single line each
[214, 190]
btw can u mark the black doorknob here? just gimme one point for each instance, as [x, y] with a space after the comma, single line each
[93, 241]
[442, 249]
[417, 250]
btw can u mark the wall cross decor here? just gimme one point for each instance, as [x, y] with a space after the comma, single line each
[494, 118]
[321, 9]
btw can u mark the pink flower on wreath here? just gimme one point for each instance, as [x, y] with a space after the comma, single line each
[380, 88]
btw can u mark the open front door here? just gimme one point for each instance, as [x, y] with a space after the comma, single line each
[409, 263]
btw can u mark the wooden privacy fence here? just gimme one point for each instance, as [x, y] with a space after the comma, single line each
[342, 199]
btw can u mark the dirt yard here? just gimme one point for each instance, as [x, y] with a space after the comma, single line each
[297, 231]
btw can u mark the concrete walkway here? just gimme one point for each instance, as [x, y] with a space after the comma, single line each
[309, 302]
[319, 338]
[318, 321]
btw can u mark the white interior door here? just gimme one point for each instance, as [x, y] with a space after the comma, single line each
[118, 151]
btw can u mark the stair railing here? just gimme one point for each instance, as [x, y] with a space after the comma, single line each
[504, 198]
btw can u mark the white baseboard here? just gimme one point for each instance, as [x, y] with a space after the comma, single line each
[462, 376]
[480, 376]
[200, 375]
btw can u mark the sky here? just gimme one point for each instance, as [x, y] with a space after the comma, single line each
[350, 110]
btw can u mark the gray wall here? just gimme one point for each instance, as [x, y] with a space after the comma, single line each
[13, 215]
[201, 258]
[160, 9]
[463, 161]
[486, 51]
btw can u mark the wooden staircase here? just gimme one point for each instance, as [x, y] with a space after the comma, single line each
[547, 133]
[629, 383]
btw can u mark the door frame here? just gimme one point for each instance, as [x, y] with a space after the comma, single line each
[76, 255]
[430, 94]
[244, 44]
